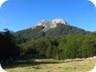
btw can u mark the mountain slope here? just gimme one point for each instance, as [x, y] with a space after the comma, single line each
[29, 34]
[66, 30]
[46, 28]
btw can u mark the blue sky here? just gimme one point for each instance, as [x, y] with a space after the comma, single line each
[22, 14]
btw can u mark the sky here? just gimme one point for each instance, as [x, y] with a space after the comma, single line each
[17, 15]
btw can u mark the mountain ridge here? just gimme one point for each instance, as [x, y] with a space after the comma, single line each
[51, 24]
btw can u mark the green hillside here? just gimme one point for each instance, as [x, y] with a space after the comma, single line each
[40, 31]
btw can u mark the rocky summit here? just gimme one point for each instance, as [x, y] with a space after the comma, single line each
[51, 24]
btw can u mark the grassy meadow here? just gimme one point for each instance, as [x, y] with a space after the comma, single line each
[51, 65]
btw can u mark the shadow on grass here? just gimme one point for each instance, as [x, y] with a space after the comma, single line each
[26, 63]
[29, 60]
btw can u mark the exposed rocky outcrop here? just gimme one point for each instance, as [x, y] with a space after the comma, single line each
[52, 24]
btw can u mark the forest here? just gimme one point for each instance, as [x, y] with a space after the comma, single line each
[62, 42]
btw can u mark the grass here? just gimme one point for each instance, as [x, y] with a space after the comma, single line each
[51, 65]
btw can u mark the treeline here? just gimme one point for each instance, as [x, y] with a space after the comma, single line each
[61, 47]
[8, 47]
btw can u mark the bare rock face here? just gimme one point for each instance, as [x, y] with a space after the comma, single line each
[43, 23]
[51, 24]
[58, 20]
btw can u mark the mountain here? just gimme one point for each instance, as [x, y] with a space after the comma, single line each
[48, 28]
[56, 39]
